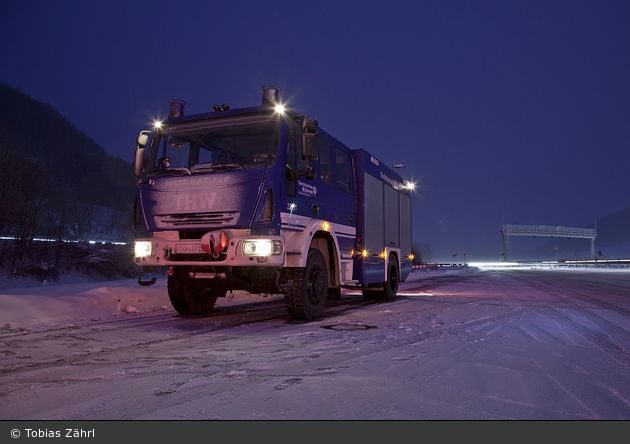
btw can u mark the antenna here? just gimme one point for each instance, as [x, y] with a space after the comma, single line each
[397, 165]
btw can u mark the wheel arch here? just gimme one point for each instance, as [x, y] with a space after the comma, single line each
[328, 246]
[389, 252]
[321, 235]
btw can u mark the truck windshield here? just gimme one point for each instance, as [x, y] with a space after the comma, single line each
[217, 144]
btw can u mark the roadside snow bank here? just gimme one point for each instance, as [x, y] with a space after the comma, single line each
[38, 306]
[31, 307]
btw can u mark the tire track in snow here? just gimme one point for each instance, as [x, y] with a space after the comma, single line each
[603, 334]
[90, 331]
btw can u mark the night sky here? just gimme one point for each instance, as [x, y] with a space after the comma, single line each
[515, 111]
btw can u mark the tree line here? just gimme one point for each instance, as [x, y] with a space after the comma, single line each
[55, 182]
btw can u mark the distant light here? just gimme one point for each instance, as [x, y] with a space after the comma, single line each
[157, 124]
[326, 226]
[409, 185]
[498, 265]
[42, 239]
[280, 109]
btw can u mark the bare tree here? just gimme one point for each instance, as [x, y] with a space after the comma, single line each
[27, 206]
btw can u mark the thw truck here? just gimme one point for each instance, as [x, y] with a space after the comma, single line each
[263, 200]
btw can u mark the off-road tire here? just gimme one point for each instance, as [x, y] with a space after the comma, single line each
[188, 299]
[306, 297]
[390, 287]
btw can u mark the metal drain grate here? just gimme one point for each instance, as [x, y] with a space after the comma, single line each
[348, 327]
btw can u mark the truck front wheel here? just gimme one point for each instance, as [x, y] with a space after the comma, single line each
[187, 299]
[308, 292]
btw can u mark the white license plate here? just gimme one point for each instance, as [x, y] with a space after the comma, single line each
[188, 249]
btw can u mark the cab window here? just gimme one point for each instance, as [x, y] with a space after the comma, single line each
[343, 169]
[325, 161]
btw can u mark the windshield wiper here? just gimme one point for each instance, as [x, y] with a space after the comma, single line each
[227, 166]
[171, 172]
[214, 167]
[208, 166]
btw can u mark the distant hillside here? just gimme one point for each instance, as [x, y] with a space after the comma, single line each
[33, 129]
[613, 239]
[56, 183]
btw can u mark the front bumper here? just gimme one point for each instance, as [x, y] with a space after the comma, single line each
[167, 250]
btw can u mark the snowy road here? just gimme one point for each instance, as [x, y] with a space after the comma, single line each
[508, 344]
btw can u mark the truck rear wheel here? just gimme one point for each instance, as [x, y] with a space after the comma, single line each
[187, 299]
[390, 287]
[307, 295]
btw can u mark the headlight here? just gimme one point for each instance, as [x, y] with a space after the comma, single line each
[261, 247]
[142, 249]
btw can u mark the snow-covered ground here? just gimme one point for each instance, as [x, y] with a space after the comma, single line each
[35, 307]
[461, 344]
[29, 304]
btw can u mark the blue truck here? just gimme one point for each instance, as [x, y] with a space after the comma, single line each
[263, 200]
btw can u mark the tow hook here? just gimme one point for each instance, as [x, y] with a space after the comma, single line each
[146, 283]
[167, 253]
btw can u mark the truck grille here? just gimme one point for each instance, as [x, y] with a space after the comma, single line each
[198, 219]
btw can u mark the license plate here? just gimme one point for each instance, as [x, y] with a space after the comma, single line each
[188, 249]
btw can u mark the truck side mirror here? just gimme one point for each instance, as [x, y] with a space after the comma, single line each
[309, 146]
[310, 125]
[309, 139]
[138, 164]
[141, 142]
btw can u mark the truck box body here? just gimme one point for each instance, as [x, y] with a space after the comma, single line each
[384, 222]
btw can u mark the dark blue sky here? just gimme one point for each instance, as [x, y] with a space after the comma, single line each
[501, 110]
